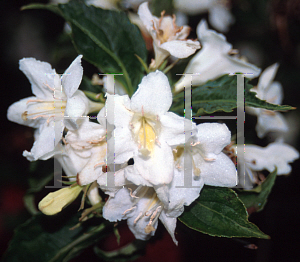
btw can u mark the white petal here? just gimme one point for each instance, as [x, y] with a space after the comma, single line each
[119, 181]
[181, 49]
[72, 77]
[90, 172]
[270, 123]
[170, 225]
[210, 39]
[15, 111]
[173, 128]
[120, 105]
[39, 73]
[125, 147]
[115, 206]
[76, 110]
[146, 16]
[220, 18]
[43, 147]
[157, 169]
[220, 172]
[133, 175]
[275, 154]
[93, 194]
[87, 133]
[213, 137]
[267, 77]
[274, 93]
[153, 96]
[177, 194]
[213, 61]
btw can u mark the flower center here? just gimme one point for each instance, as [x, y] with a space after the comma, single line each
[43, 109]
[152, 207]
[166, 28]
[145, 131]
[38, 108]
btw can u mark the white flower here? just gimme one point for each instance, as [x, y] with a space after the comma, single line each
[208, 162]
[145, 131]
[168, 39]
[85, 152]
[272, 92]
[219, 14]
[214, 60]
[54, 98]
[142, 206]
[256, 158]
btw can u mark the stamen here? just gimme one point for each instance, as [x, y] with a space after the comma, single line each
[138, 217]
[156, 140]
[37, 100]
[93, 142]
[52, 89]
[99, 164]
[194, 144]
[127, 210]
[48, 120]
[233, 52]
[161, 18]
[38, 116]
[209, 159]
[137, 190]
[175, 150]
[132, 195]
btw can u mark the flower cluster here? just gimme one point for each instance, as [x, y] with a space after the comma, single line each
[138, 152]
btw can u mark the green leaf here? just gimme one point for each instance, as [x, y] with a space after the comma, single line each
[256, 198]
[219, 212]
[130, 252]
[221, 95]
[53, 8]
[108, 40]
[50, 239]
[252, 101]
[217, 95]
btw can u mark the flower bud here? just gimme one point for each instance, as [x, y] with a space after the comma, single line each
[54, 202]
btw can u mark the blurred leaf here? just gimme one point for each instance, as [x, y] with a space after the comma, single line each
[257, 197]
[220, 95]
[219, 212]
[38, 179]
[48, 239]
[157, 6]
[130, 252]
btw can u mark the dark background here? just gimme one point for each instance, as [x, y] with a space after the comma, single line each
[265, 31]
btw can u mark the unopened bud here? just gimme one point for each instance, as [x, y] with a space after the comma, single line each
[54, 202]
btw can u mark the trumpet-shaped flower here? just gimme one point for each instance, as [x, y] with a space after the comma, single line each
[253, 158]
[218, 10]
[55, 98]
[272, 92]
[208, 162]
[145, 130]
[168, 39]
[214, 60]
[142, 207]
